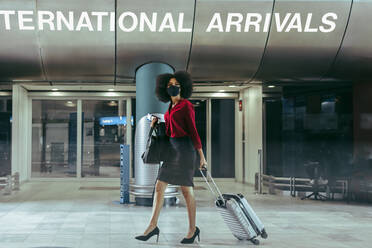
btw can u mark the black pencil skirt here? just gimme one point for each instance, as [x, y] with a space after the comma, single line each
[179, 168]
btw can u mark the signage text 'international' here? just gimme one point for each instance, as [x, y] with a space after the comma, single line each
[167, 22]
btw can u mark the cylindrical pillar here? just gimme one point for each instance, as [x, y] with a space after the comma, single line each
[147, 102]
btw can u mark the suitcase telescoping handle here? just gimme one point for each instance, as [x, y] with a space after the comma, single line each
[215, 191]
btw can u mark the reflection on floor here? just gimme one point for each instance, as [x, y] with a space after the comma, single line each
[65, 214]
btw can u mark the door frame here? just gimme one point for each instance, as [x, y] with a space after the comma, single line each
[238, 131]
[128, 97]
[80, 97]
[208, 128]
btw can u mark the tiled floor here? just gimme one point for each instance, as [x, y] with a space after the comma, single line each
[60, 215]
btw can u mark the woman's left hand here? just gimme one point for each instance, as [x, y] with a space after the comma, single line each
[203, 162]
[153, 121]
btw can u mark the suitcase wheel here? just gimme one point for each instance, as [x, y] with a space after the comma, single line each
[264, 234]
[255, 241]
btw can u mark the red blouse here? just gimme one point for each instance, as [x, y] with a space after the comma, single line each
[180, 121]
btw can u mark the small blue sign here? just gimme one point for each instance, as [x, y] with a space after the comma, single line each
[114, 120]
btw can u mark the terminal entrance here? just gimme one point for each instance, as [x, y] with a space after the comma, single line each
[103, 124]
[221, 138]
[5, 134]
[55, 132]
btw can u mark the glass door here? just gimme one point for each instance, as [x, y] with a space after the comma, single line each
[5, 135]
[54, 138]
[200, 107]
[223, 138]
[221, 142]
[104, 130]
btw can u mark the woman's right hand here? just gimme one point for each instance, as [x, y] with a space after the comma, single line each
[154, 120]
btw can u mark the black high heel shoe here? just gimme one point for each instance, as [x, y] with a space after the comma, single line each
[156, 231]
[191, 240]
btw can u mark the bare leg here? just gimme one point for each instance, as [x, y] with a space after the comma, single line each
[157, 205]
[188, 194]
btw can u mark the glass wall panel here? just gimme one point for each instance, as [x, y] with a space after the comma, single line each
[323, 133]
[310, 124]
[223, 138]
[54, 143]
[361, 177]
[200, 107]
[104, 129]
[5, 135]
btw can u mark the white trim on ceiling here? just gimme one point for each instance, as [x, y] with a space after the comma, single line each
[123, 88]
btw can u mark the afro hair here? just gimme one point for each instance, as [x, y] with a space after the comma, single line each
[182, 77]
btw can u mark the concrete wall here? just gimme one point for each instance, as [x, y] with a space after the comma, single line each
[252, 117]
[21, 133]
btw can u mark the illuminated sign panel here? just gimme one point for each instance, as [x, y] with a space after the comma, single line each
[154, 22]
[114, 120]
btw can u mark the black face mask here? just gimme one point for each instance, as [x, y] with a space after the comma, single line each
[173, 90]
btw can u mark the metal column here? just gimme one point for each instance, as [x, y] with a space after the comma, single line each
[147, 102]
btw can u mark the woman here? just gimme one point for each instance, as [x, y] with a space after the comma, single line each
[184, 140]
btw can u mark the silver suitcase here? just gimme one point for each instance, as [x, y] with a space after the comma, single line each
[237, 213]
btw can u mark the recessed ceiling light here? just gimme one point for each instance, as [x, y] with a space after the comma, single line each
[111, 94]
[56, 93]
[70, 104]
[21, 80]
[112, 103]
[271, 86]
[54, 89]
[111, 89]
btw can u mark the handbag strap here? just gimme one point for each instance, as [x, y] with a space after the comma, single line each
[151, 132]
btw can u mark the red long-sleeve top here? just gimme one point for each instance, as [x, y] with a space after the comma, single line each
[180, 121]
